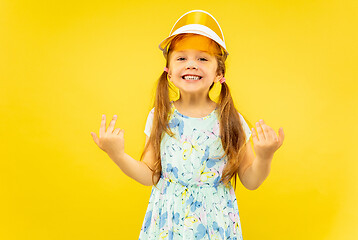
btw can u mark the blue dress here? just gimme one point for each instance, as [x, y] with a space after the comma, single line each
[190, 201]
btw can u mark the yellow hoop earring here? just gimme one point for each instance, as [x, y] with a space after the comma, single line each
[174, 93]
[214, 93]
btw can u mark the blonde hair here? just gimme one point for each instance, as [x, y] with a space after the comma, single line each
[233, 137]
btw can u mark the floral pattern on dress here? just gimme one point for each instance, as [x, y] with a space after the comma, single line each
[190, 201]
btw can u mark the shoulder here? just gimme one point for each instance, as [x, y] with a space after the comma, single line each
[151, 112]
[245, 123]
[240, 116]
[150, 115]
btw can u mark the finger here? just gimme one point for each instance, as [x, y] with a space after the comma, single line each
[111, 124]
[116, 131]
[95, 138]
[272, 136]
[265, 130]
[102, 129]
[260, 132]
[254, 135]
[121, 133]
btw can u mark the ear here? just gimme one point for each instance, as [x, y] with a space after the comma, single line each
[169, 74]
[218, 78]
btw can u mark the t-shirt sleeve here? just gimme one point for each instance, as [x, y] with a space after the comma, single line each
[246, 128]
[148, 125]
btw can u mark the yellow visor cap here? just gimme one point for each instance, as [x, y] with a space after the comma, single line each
[196, 22]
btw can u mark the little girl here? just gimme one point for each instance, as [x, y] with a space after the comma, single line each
[194, 145]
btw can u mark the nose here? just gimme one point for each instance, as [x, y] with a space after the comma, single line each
[191, 64]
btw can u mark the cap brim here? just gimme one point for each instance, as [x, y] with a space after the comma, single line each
[164, 44]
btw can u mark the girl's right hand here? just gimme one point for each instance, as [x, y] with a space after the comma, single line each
[112, 141]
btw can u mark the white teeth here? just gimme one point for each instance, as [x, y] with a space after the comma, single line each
[191, 78]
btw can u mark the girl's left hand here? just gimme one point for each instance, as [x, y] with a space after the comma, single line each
[266, 141]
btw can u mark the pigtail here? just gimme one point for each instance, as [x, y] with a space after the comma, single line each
[160, 124]
[233, 137]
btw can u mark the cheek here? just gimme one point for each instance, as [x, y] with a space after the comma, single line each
[175, 73]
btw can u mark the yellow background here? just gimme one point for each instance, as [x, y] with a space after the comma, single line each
[65, 63]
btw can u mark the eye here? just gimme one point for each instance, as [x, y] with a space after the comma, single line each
[202, 59]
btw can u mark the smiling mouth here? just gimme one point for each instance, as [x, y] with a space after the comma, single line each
[195, 78]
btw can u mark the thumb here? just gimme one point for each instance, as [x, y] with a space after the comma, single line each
[95, 138]
[281, 135]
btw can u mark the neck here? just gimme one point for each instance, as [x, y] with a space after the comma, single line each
[193, 102]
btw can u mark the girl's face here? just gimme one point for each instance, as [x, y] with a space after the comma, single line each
[193, 56]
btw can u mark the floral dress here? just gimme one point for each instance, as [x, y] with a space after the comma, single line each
[190, 201]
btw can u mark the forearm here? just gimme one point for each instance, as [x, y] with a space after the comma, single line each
[137, 170]
[256, 173]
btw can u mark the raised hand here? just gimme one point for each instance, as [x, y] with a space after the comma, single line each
[266, 142]
[110, 141]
